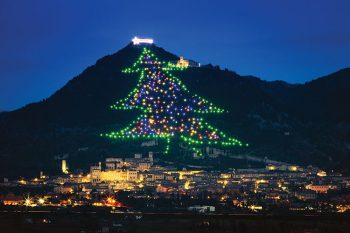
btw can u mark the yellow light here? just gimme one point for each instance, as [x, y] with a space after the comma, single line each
[180, 176]
[187, 185]
[22, 181]
[261, 181]
[321, 173]
[111, 200]
[255, 208]
[27, 202]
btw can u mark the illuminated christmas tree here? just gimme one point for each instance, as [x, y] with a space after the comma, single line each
[168, 109]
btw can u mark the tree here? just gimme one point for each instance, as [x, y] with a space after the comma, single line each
[168, 108]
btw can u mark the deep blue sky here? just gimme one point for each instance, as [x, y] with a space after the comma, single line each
[45, 43]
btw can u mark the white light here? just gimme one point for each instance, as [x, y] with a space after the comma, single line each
[137, 40]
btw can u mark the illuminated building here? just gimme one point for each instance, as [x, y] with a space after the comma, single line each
[184, 173]
[154, 176]
[95, 172]
[182, 63]
[162, 189]
[306, 195]
[283, 167]
[321, 173]
[320, 188]
[121, 170]
[187, 185]
[114, 163]
[144, 166]
[64, 166]
[343, 208]
[225, 175]
[12, 199]
[293, 168]
[255, 208]
[271, 167]
[118, 175]
[215, 152]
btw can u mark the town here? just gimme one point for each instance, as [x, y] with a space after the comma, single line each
[141, 185]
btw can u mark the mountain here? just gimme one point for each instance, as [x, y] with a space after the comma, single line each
[299, 123]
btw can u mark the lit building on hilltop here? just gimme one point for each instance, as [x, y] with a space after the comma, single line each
[183, 63]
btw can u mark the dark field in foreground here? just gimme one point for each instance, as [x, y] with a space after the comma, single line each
[155, 223]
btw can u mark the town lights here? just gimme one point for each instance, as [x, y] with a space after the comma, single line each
[28, 201]
[41, 201]
[111, 200]
[187, 185]
[22, 181]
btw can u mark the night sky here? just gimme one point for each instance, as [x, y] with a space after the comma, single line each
[43, 44]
